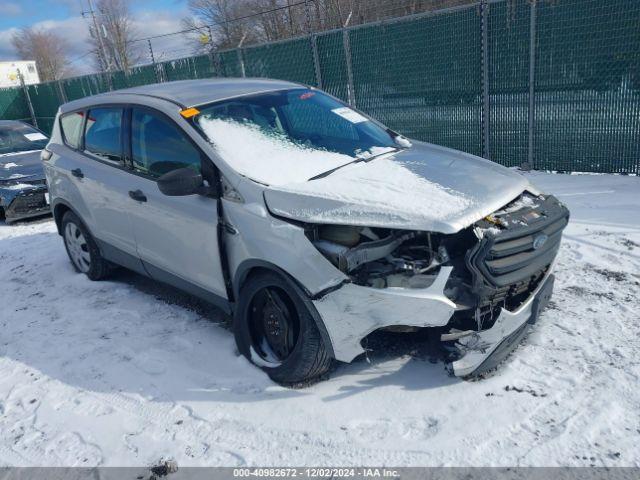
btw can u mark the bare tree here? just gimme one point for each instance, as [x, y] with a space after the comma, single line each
[47, 49]
[276, 19]
[115, 25]
[235, 22]
[221, 15]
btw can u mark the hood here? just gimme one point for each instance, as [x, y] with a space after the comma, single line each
[25, 166]
[425, 187]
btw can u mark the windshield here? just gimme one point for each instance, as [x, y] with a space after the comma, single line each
[292, 135]
[19, 137]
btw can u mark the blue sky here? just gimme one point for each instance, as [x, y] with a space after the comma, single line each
[25, 13]
[151, 17]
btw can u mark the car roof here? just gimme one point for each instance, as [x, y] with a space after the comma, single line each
[189, 93]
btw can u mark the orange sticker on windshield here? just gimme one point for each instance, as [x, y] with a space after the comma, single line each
[306, 95]
[189, 112]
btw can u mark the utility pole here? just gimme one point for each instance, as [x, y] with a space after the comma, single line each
[153, 59]
[34, 120]
[103, 51]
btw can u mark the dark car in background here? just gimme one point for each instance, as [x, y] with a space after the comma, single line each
[23, 188]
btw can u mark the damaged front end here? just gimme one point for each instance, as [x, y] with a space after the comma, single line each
[479, 288]
[23, 199]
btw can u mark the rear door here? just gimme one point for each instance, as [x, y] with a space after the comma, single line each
[176, 237]
[101, 179]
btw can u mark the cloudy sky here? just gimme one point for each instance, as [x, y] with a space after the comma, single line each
[152, 17]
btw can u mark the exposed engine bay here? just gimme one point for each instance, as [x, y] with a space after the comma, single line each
[382, 258]
[496, 262]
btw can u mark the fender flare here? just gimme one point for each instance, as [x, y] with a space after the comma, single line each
[58, 202]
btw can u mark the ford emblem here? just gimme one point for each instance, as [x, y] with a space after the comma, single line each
[539, 241]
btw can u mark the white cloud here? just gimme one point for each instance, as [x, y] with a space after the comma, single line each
[7, 52]
[149, 24]
[75, 31]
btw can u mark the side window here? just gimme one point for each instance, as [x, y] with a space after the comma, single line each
[102, 133]
[71, 124]
[159, 146]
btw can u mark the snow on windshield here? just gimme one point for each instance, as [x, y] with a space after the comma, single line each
[272, 159]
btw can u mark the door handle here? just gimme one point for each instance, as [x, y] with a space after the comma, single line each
[76, 172]
[137, 195]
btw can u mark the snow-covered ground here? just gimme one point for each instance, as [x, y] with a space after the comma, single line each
[126, 372]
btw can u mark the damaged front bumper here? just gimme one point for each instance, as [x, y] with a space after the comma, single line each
[19, 204]
[484, 350]
[352, 312]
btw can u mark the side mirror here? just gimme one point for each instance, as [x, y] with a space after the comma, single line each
[181, 182]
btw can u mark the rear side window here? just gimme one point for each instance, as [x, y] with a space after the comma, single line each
[102, 133]
[159, 146]
[71, 125]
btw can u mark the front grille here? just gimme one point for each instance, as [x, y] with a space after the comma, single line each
[512, 259]
[40, 181]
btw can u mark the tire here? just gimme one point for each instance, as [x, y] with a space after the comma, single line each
[82, 249]
[305, 357]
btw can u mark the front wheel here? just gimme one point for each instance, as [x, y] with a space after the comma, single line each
[275, 329]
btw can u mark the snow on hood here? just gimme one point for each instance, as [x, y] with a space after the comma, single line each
[382, 186]
[426, 187]
[21, 165]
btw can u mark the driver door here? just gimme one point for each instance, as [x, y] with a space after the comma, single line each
[176, 237]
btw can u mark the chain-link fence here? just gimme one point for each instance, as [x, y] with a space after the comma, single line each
[554, 84]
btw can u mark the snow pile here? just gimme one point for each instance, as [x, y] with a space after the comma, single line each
[268, 159]
[17, 186]
[126, 372]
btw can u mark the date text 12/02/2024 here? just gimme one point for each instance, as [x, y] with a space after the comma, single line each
[316, 472]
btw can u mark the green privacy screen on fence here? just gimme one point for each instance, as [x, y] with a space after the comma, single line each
[575, 107]
[508, 51]
[13, 105]
[588, 86]
[423, 77]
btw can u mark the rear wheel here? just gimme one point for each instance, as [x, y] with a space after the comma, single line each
[275, 329]
[82, 248]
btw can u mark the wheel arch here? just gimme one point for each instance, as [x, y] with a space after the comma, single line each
[59, 209]
[251, 267]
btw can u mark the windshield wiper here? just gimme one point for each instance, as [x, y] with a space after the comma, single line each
[357, 160]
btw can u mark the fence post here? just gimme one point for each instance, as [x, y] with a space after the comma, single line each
[161, 72]
[156, 70]
[28, 97]
[484, 6]
[243, 72]
[61, 93]
[316, 60]
[212, 52]
[217, 63]
[346, 44]
[106, 76]
[532, 78]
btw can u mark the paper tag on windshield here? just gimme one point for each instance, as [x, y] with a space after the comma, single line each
[34, 136]
[348, 114]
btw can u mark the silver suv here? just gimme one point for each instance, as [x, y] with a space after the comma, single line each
[310, 222]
